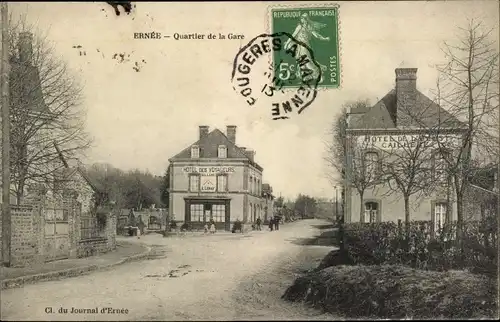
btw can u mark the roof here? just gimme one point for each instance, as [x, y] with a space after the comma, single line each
[31, 91]
[383, 114]
[484, 177]
[94, 184]
[209, 145]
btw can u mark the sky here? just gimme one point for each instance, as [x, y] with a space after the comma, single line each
[141, 119]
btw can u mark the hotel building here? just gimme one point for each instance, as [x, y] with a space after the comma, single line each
[213, 178]
[403, 114]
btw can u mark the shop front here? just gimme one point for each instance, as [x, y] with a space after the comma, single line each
[201, 210]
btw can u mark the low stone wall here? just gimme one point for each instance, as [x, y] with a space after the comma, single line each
[91, 247]
[99, 245]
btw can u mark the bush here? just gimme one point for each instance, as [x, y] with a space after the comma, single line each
[237, 226]
[385, 243]
[396, 292]
[185, 227]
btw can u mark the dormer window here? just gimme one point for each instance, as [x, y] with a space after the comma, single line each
[222, 151]
[195, 152]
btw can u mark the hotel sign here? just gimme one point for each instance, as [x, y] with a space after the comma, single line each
[208, 171]
[395, 142]
[207, 184]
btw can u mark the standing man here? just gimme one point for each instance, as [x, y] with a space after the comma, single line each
[277, 223]
[258, 222]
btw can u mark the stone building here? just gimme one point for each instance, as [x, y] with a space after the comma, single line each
[378, 136]
[213, 178]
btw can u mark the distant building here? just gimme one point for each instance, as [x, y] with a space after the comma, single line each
[267, 195]
[213, 178]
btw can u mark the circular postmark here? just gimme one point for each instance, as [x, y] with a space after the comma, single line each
[285, 91]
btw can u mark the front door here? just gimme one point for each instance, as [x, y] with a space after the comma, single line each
[208, 214]
[56, 234]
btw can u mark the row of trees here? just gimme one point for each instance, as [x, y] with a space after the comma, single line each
[468, 90]
[303, 205]
[133, 189]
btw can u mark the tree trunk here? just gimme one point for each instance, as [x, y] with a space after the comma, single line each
[448, 221]
[361, 206]
[460, 221]
[20, 189]
[407, 222]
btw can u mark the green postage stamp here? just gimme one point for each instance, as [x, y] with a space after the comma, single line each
[317, 29]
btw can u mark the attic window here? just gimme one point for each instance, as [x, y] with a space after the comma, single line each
[222, 151]
[195, 152]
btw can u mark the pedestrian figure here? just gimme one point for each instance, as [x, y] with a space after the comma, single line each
[258, 222]
[271, 224]
[205, 228]
[212, 228]
[277, 223]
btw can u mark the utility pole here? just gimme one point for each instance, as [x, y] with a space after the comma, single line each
[336, 203]
[4, 82]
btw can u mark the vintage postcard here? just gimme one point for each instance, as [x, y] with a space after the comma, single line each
[259, 160]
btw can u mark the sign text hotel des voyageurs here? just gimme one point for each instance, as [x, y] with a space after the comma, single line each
[208, 171]
[207, 174]
[395, 142]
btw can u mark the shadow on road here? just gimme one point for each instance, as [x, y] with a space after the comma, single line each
[327, 238]
[324, 226]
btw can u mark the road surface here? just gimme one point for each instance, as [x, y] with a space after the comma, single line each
[215, 277]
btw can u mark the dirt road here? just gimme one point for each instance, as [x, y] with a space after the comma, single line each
[216, 277]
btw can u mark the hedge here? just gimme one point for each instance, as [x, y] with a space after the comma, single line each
[386, 243]
[396, 292]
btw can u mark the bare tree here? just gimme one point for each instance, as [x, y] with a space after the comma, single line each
[363, 172]
[468, 88]
[46, 107]
[410, 170]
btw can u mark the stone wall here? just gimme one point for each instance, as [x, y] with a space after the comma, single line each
[24, 241]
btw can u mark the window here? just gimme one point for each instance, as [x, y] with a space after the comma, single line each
[222, 151]
[439, 216]
[197, 212]
[371, 164]
[254, 186]
[250, 188]
[195, 152]
[219, 213]
[371, 211]
[222, 183]
[194, 183]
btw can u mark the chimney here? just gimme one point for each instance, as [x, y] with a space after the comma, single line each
[25, 47]
[250, 154]
[231, 133]
[406, 95]
[203, 131]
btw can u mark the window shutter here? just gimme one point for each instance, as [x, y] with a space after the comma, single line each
[379, 212]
